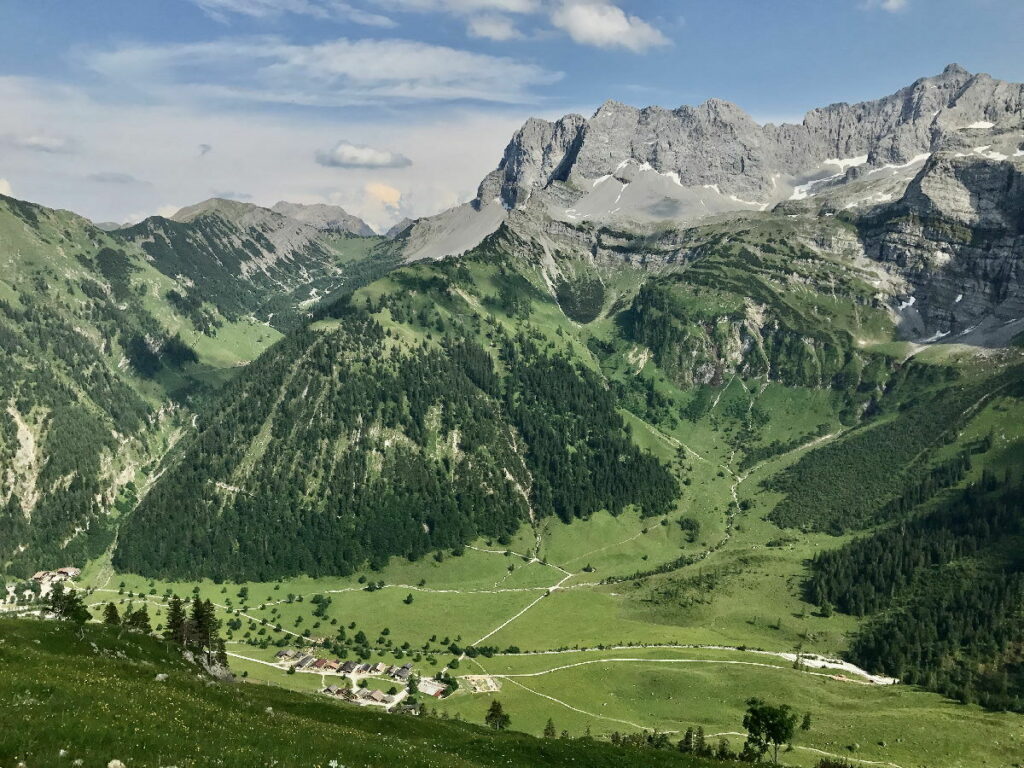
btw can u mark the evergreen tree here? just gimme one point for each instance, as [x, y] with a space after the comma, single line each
[138, 620]
[496, 717]
[686, 743]
[175, 625]
[110, 615]
[700, 746]
[549, 729]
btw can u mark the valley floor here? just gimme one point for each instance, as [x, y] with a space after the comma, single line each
[574, 636]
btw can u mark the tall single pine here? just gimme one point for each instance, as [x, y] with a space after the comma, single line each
[174, 628]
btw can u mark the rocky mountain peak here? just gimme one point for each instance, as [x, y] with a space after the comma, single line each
[642, 166]
[232, 210]
[327, 218]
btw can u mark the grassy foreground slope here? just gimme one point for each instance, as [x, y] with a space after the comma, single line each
[97, 698]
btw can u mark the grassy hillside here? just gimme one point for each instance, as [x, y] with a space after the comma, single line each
[95, 698]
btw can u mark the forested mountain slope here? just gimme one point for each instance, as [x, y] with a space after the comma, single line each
[251, 261]
[462, 398]
[104, 343]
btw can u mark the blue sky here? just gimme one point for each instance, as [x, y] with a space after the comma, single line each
[119, 109]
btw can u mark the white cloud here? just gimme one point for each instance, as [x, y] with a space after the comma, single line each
[892, 6]
[493, 27]
[339, 72]
[466, 6]
[348, 155]
[40, 142]
[318, 9]
[265, 154]
[602, 24]
[5, 187]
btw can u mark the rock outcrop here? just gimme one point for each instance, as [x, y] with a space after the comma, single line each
[957, 237]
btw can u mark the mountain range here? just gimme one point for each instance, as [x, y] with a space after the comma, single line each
[250, 394]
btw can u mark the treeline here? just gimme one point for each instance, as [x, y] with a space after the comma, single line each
[338, 448]
[945, 589]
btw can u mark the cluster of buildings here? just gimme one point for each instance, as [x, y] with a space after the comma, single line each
[306, 662]
[46, 579]
[61, 574]
[366, 696]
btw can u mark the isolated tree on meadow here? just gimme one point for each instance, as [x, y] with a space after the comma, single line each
[110, 615]
[67, 604]
[768, 728]
[549, 729]
[496, 717]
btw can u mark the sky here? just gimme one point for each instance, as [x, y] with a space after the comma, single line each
[121, 109]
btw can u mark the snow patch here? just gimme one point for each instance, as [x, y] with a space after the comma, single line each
[847, 162]
[760, 206]
[982, 124]
[601, 180]
[935, 337]
[913, 161]
[959, 298]
[987, 152]
[907, 304]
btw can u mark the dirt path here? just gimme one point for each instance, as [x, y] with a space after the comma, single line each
[735, 662]
[547, 593]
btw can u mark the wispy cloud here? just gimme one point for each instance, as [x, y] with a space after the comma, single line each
[204, 149]
[229, 194]
[39, 142]
[222, 10]
[5, 187]
[604, 25]
[338, 72]
[113, 177]
[344, 154]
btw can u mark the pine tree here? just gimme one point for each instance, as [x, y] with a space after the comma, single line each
[175, 626]
[496, 717]
[686, 743]
[549, 729]
[110, 615]
[138, 620]
[700, 746]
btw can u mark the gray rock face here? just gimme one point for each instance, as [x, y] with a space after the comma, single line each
[398, 229]
[957, 237]
[539, 152]
[717, 143]
[327, 218]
